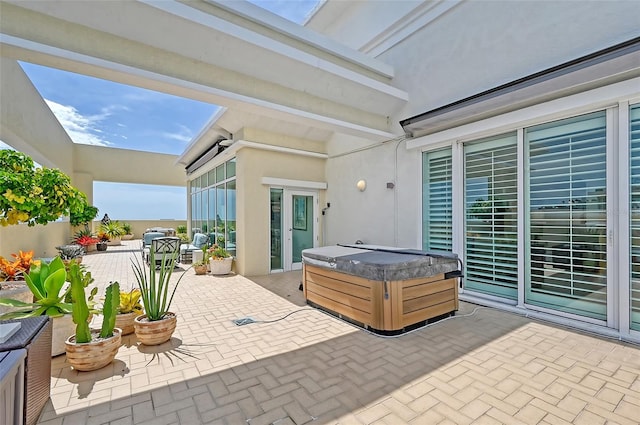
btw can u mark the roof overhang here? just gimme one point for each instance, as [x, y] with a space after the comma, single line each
[618, 63]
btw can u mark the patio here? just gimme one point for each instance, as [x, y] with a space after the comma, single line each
[488, 367]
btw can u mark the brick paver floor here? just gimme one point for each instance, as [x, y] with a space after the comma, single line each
[482, 367]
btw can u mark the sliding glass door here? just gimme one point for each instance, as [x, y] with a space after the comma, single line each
[634, 139]
[566, 216]
[490, 192]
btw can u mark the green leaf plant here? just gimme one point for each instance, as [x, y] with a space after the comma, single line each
[46, 282]
[35, 195]
[155, 285]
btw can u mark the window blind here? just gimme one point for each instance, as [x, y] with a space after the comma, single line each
[567, 215]
[436, 200]
[634, 128]
[491, 250]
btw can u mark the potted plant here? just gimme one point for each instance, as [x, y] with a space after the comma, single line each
[200, 267]
[46, 282]
[114, 230]
[220, 260]
[34, 195]
[12, 283]
[158, 323]
[103, 241]
[91, 349]
[70, 252]
[128, 234]
[128, 310]
[88, 242]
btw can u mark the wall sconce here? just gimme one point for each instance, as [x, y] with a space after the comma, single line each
[361, 185]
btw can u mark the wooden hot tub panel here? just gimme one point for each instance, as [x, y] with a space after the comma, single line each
[386, 307]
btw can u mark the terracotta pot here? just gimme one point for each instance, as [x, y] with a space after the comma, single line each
[125, 322]
[127, 237]
[156, 332]
[114, 241]
[200, 269]
[221, 266]
[95, 354]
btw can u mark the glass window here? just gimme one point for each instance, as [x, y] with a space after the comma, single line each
[211, 218]
[231, 217]
[220, 173]
[221, 215]
[231, 168]
[566, 229]
[211, 177]
[491, 231]
[436, 200]
[203, 212]
[276, 229]
[203, 181]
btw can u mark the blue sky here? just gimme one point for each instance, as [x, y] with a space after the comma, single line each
[103, 113]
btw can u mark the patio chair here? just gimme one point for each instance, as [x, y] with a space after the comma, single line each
[146, 243]
[165, 250]
[186, 250]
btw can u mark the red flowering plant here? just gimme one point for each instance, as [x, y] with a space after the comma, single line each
[86, 240]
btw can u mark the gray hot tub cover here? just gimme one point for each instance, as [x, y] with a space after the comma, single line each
[381, 263]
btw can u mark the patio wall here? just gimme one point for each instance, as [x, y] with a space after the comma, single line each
[44, 239]
[41, 239]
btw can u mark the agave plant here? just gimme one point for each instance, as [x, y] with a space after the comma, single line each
[112, 228]
[154, 286]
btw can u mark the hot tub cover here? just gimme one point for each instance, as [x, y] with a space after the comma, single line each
[381, 263]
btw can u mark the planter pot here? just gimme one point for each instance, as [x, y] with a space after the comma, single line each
[95, 354]
[221, 266]
[90, 248]
[127, 237]
[200, 269]
[15, 290]
[116, 240]
[125, 322]
[63, 328]
[156, 332]
[102, 246]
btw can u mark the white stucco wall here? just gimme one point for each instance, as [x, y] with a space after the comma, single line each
[253, 201]
[475, 47]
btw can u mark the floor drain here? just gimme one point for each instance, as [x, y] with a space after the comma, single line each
[244, 321]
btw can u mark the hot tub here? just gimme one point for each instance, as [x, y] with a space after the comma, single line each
[385, 289]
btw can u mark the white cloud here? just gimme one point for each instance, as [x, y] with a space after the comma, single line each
[81, 129]
[183, 135]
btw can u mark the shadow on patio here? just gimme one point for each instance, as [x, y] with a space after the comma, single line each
[490, 367]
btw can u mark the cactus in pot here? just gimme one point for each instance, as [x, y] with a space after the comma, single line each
[92, 349]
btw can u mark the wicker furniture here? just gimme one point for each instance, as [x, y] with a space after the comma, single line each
[35, 337]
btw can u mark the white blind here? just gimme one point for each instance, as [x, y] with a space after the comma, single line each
[436, 200]
[567, 215]
[491, 264]
[634, 129]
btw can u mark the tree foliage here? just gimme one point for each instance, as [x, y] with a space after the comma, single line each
[35, 195]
